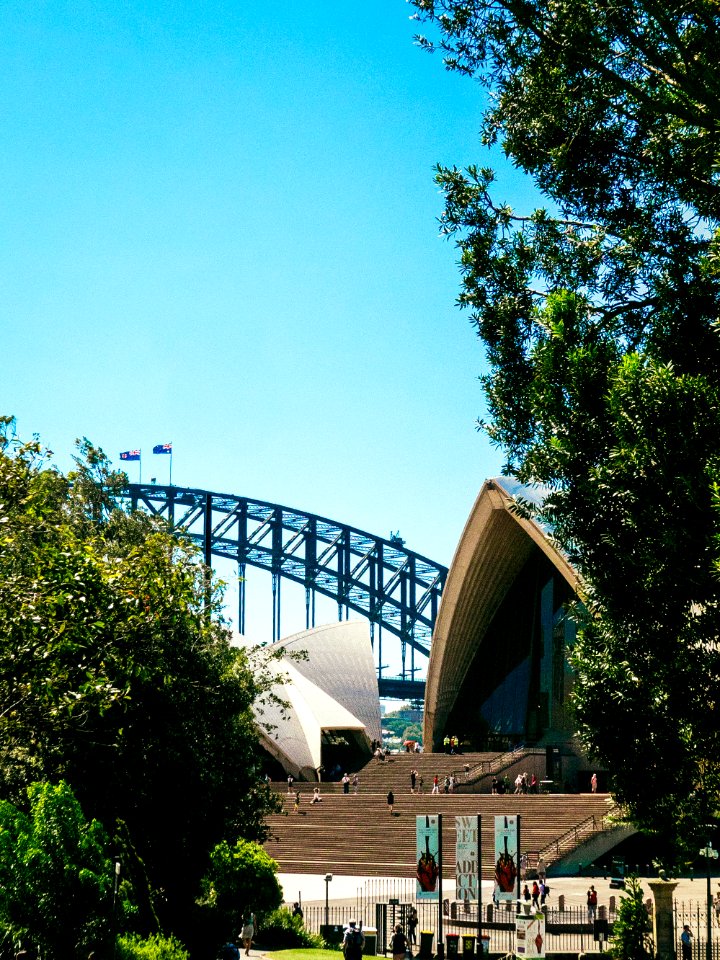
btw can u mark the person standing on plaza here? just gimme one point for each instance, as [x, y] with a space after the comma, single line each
[535, 894]
[390, 801]
[593, 783]
[399, 944]
[291, 781]
[686, 939]
[346, 783]
[355, 782]
[436, 784]
[413, 780]
[592, 903]
[412, 922]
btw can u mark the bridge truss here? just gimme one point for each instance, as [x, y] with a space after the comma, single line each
[397, 590]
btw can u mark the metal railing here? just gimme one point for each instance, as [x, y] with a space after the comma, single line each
[576, 834]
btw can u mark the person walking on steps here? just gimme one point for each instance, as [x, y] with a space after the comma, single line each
[390, 801]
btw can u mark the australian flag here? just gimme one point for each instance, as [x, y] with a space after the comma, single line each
[163, 448]
[130, 455]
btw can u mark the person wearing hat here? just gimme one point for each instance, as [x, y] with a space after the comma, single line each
[353, 941]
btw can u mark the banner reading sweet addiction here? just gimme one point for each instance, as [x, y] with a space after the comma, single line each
[467, 858]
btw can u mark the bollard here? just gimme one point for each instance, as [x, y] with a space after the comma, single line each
[612, 904]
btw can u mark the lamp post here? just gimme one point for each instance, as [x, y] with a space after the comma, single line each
[328, 878]
[709, 855]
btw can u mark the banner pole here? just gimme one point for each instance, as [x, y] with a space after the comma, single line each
[519, 856]
[479, 885]
[440, 946]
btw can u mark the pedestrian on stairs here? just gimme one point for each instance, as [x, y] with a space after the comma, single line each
[390, 801]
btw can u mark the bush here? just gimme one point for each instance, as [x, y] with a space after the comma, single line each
[157, 947]
[282, 930]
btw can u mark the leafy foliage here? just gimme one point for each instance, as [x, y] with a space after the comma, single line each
[632, 930]
[57, 875]
[283, 931]
[157, 947]
[600, 319]
[116, 673]
[242, 879]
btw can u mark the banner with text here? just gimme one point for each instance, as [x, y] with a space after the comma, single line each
[467, 858]
[530, 936]
[428, 867]
[506, 857]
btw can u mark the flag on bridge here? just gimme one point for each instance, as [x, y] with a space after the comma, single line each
[163, 448]
[130, 455]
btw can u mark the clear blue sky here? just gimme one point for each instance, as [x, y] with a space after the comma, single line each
[219, 228]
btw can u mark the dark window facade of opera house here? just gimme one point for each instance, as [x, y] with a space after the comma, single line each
[516, 690]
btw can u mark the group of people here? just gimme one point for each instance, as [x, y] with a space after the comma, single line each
[400, 944]
[449, 783]
[524, 783]
[538, 894]
[451, 744]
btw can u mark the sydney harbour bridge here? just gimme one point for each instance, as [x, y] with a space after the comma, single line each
[396, 590]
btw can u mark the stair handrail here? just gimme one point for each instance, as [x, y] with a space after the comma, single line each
[588, 826]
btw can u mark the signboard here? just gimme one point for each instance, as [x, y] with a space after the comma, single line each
[428, 867]
[506, 857]
[601, 931]
[530, 935]
[467, 858]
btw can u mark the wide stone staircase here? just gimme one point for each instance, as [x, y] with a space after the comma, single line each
[355, 833]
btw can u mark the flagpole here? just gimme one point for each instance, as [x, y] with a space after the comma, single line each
[171, 456]
[140, 468]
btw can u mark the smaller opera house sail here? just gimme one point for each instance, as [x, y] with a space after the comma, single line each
[326, 678]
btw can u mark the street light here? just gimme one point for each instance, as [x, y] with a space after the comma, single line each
[709, 855]
[328, 878]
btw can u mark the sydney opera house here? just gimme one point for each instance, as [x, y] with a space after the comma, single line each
[498, 672]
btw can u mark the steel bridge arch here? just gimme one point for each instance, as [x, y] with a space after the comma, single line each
[396, 589]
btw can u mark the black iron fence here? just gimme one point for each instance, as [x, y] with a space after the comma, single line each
[379, 905]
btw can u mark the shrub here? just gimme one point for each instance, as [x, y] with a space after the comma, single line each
[282, 930]
[157, 947]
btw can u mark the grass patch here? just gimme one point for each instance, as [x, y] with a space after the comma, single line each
[303, 954]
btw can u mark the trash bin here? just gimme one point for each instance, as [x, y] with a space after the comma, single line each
[332, 933]
[452, 941]
[370, 947]
[426, 944]
[468, 945]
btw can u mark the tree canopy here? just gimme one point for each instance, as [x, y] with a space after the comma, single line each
[599, 314]
[116, 673]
